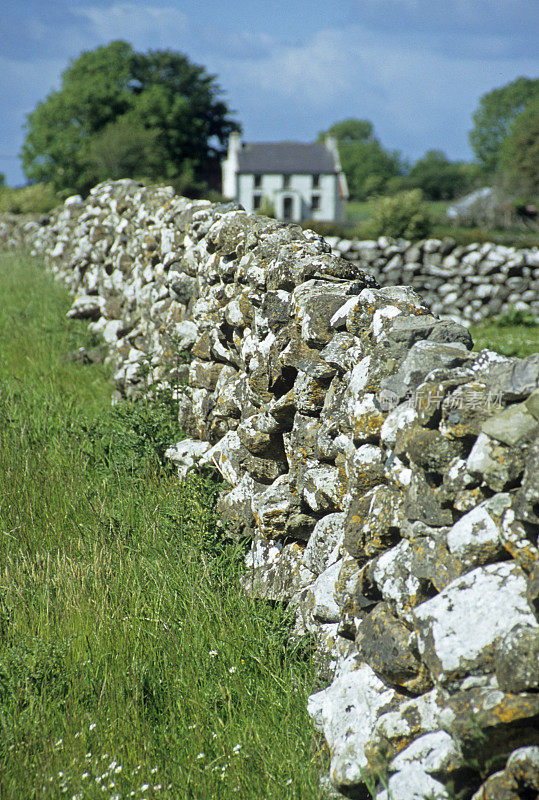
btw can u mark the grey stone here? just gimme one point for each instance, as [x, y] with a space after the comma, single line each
[516, 660]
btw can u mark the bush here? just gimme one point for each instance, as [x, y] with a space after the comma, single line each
[404, 215]
[330, 228]
[35, 199]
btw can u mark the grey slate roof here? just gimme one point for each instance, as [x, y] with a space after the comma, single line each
[285, 158]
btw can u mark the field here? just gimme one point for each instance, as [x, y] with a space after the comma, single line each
[359, 211]
[130, 663]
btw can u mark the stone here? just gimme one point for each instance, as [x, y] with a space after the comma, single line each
[516, 660]
[346, 712]
[315, 304]
[412, 783]
[86, 307]
[323, 547]
[475, 537]
[321, 487]
[436, 753]
[272, 507]
[512, 425]
[428, 448]
[386, 645]
[460, 628]
[497, 464]
[424, 502]
[372, 522]
[186, 455]
[279, 579]
[489, 723]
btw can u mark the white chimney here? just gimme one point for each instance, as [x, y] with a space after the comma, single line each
[231, 165]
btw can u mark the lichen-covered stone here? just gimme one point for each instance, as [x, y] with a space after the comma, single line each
[460, 628]
[372, 522]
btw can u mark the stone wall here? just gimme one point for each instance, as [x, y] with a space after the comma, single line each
[468, 283]
[387, 476]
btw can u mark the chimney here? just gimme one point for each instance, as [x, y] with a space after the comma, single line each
[230, 165]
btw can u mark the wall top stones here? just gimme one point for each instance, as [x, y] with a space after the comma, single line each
[466, 283]
[386, 473]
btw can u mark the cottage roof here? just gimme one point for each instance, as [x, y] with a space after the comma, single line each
[286, 158]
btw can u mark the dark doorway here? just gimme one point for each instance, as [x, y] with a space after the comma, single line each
[287, 208]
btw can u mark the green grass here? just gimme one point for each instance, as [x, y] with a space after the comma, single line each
[130, 663]
[514, 334]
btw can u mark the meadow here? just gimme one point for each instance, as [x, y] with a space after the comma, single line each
[131, 664]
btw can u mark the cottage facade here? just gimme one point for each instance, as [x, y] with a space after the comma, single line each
[295, 180]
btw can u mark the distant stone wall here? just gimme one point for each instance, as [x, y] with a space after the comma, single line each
[387, 475]
[469, 283]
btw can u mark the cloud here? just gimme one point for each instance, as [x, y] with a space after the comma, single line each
[135, 24]
[417, 98]
[313, 72]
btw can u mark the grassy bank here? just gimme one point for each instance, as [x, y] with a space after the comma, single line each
[514, 334]
[130, 664]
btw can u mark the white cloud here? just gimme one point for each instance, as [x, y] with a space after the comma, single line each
[312, 72]
[417, 98]
[136, 24]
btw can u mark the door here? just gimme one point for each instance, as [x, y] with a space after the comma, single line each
[287, 209]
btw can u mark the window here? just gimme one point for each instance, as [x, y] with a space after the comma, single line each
[315, 202]
[257, 201]
[316, 181]
[258, 181]
[286, 181]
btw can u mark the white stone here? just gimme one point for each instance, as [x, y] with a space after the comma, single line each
[346, 712]
[458, 627]
[412, 783]
[186, 454]
[472, 532]
[432, 752]
[323, 591]
[324, 544]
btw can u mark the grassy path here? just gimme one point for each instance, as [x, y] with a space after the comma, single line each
[130, 664]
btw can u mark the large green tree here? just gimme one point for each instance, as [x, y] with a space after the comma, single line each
[494, 117]
[519, 153]
[438, 177]
[367, 165]
[120, 113]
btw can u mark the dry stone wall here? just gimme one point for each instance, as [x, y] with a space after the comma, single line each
[467, 283]
[387, 475]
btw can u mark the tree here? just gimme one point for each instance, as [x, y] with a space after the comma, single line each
[438, 178]
[494, 117]
[366, 164]
[119, 112]
[519, 153]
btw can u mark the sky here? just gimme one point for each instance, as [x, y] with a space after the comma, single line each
[290, 68]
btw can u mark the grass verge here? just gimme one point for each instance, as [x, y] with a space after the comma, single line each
[515, 334]
[130, 663]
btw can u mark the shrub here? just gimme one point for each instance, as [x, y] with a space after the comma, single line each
[404, 215]
[35, 199]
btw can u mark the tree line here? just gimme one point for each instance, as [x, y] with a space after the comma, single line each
[156, 117]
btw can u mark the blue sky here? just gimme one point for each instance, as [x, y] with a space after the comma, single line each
[415, 68]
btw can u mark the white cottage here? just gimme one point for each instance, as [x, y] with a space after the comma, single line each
[298, 181]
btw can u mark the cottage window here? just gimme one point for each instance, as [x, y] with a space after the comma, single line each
[257, 201]
[286, 181]
[315, 202]
[316, 181]
[258, 181]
